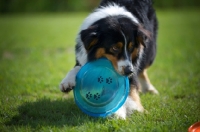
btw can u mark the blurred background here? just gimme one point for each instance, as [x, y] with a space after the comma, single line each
[37, 39]
[19, 6]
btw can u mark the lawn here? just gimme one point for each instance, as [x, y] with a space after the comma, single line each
[37, 50]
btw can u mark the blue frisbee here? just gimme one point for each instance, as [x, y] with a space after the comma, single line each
[100, 90]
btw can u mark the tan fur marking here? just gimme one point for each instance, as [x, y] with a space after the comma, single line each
[94, 41]
[130, 45]
[100, 53]
[144, 76]
[140, 40]
[134, 94]
[146, 85]
[113, 60]
[119, 45]
[141, 46]
[135, 53]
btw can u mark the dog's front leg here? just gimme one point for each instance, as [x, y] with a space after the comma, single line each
[131, 104]
[69, 81]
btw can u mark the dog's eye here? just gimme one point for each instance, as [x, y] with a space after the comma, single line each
[116, 48]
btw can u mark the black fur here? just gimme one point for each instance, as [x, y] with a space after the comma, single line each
[145, 13]
[108, 36]
[106, 31]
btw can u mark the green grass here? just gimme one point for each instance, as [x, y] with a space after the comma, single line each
[36, 51]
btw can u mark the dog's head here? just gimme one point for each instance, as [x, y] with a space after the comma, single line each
[118, 39]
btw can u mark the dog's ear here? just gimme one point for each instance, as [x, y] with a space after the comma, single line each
[143, 36]
[89, 37]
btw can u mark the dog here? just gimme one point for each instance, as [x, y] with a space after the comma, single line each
[125, 32]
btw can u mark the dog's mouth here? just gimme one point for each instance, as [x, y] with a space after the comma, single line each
[127, 75]
[130, 75]
[125, 68]
[126, 71]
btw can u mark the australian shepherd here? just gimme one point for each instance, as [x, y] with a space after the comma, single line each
[125, 32]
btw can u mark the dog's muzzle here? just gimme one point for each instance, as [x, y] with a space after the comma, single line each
[128, 70]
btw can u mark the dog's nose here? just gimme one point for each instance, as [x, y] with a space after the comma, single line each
[128, 70]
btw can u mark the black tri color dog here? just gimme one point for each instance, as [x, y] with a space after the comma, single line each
[123, 31]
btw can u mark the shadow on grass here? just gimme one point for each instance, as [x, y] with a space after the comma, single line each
[46, 112]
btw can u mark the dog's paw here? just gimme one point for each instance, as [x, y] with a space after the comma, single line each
[128, 108]
[67, 85]
[120, 113]
[69, 82]
[147, 87]
[152, 89]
